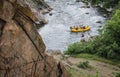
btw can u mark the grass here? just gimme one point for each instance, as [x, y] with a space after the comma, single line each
[94, 57]
[84, 65]
[77, 73]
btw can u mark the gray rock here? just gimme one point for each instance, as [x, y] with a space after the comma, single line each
[85, 6]
[104, 15]
[87, 13]
[98, 21]
[50, 14]
[78, 0]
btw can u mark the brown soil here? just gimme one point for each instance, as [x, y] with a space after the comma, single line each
[103, 69]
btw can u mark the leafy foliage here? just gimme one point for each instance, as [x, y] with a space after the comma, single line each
[117, 74]
[84, 65]
[106, 45]
[106, 3]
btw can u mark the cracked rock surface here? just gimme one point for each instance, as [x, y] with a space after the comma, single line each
[22, 51]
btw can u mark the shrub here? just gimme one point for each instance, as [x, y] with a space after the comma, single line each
[117, 74]
[84, 65]
[106, 3]
[107, 45]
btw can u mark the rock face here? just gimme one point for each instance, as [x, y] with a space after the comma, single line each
[22, 51]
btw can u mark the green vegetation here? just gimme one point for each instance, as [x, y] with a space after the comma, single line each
[97, 75]
[75, 73]
[106, 45]
[84, 65]
[78, 73]
[95, 57]
[106, 3]
[117, 74]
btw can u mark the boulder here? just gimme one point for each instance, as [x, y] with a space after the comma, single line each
[98, 21]
[78, 0]
[87, 13]
[22, 50]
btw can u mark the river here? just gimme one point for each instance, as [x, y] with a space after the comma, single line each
[56, 34]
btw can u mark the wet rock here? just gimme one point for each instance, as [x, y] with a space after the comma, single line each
[87, 13]
[98, 21]
[45, 21]
[44, 11]
[22, 50]
[70, 3]
[87, 6]
[109, 9]
[104, 15]
[84, 1]
[50, 14]
[78, 0]
[100, 26]
[82, 35]
[37, 22]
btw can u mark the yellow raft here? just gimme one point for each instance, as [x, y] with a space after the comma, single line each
[86, 28]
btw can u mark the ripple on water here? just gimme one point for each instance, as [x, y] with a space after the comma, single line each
[66, 13]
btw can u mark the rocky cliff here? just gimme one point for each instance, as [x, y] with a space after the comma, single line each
[22, 51]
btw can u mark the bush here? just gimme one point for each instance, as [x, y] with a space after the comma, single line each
[107, 45]
[84, 65]
[117, 74]
[106, 3]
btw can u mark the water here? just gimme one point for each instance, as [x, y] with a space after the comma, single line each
[56, 34]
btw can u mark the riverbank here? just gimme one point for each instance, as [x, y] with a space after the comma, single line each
[106, 45]
[100, 67]
[66, 13]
